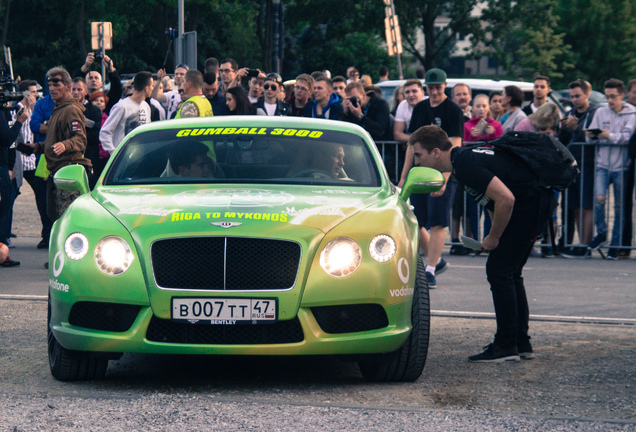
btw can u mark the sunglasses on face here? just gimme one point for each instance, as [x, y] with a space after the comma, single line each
[270, 86]
[55, 80]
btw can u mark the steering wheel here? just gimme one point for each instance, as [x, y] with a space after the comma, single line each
[317, 173]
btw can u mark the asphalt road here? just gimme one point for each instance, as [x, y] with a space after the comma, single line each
[584, 376]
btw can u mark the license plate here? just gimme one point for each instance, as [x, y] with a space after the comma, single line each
[226, 311]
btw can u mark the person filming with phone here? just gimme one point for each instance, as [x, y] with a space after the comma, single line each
[611, 125]
[482, 127]
[367, 110]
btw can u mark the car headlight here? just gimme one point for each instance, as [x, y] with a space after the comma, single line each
[341, 257]
[113, 256]
[382, 248]
[76, 246]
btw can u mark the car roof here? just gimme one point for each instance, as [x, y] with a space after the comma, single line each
[473, 83]
[477, 85]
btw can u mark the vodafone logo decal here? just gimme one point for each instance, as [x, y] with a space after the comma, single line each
[58, 264]
[403, 270]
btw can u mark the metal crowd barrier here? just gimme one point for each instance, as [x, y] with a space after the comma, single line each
[565, 230]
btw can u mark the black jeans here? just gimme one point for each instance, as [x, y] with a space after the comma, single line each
[6, 204]
[505, 265]
[39, 190]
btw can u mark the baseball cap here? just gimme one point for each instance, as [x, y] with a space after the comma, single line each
[273, 76]
[435, 76]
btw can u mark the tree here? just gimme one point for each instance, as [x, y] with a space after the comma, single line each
[421, 15]
[524, 38]
[332, 34]
[603, 37]
[5, 8]
[59, 33]
[542, 53]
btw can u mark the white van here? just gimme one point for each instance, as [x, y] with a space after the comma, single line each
[477, 86]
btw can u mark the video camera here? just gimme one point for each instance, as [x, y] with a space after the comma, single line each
[7, 89]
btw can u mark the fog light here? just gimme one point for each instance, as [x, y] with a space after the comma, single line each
[382, 248]
[76, 246]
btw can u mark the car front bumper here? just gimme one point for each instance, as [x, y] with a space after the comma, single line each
[314, 340]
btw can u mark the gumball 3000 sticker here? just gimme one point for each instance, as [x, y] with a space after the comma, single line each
[233, 197]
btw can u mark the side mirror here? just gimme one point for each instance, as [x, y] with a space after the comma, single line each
[422, 180]
[72, 178]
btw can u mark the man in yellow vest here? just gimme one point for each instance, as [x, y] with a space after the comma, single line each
[196, 104]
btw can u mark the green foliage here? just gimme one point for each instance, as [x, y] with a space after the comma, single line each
[229, 31]
[545, 53]
[420, 15]
[45, 34]
[565, 39]
[334, 35]
[603, 37]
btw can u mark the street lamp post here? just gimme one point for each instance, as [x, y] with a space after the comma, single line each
[276, 41]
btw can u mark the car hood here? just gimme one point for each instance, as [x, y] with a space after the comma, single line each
[195, 208]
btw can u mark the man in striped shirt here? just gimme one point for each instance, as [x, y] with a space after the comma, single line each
[29, 163]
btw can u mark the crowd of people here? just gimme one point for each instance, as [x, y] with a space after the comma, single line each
[78, 121]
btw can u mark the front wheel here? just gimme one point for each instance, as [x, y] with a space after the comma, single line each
[407, 363]
[68, 365]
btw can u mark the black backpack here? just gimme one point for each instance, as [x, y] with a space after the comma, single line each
[552, 163]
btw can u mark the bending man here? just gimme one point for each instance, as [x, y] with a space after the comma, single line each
[519, 211]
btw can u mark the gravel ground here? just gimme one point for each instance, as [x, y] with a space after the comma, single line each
[185, 412]
[582, 379]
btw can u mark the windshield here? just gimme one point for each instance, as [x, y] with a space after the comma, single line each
[244, 155]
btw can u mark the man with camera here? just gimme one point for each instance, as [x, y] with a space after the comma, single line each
[94, 80]
[368, 111]
[7, 136]
[29, 162]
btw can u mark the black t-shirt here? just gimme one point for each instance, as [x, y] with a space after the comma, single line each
[475, 167]
[447, 115]
[568, 136]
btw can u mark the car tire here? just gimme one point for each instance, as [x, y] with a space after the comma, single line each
[68, 365]
[407, 363]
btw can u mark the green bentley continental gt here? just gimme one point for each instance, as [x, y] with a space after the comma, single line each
[240, 236]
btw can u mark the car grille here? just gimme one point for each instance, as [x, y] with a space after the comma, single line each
[103, 316]
[350, 318]
[225, 263]
[281, 332]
